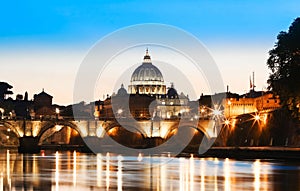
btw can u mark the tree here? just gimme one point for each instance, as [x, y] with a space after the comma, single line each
[5, 90]
[284, 63]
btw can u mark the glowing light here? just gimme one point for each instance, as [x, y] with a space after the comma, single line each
[112, 131]
[99, 131]
[28, 133]
[8, 168]
[162, 178]
[119, 173]
[192, 172]
[140, 157]
[74, 168]
[58, 127]
[265, 119]
[216, 160]
[227, 178]
[120, 111]
[21, 134]
[2, 113]
[99, 170]
[217, 112]
[181, 174]
[1, 181]
[202, 174]
[257, 119]
[8, 130]
[229, 102]
[56, 171]
[256, 171]
[107, 171]
[57, 110]
[227, 122]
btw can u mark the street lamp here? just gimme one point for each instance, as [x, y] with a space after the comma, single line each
[57, 112]
[2, 113]
[120, 111]
[227, 122]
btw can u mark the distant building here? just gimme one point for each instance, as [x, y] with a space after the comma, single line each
[147, 98]
[254, 101]
[43, 105]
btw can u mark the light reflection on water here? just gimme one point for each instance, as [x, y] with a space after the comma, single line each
[78, 171]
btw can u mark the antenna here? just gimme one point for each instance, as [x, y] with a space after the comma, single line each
[253, 82]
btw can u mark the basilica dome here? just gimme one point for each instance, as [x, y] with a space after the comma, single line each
[122, 91]
[147, 79]
[146, 72]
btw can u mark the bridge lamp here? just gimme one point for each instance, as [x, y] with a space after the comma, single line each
[120, 111]
[227, 122]
[256, 117]
[2, 113]
[216, 112]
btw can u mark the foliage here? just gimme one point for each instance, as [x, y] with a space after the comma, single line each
[4, 90]
[284, 63]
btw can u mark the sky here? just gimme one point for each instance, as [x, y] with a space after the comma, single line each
[43, 43]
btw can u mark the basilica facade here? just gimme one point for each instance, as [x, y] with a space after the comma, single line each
[147, 97]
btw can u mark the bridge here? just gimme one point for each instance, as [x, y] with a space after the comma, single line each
[129, 132]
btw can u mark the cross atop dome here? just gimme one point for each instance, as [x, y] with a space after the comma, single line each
[147, 58]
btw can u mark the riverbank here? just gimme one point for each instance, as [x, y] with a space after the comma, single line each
[241, 153]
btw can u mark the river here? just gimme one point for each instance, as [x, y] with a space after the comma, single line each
[68, 171]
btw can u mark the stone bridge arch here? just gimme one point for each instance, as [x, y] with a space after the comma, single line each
[129, 127]
[51, 124]
[199, 136]
[126, 134]
[198, 128]
[13, 128]
[10, 133]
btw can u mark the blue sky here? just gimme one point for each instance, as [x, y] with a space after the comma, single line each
[43, 42]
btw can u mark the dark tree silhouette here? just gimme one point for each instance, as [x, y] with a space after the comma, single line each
[5, 90]
[284, 63]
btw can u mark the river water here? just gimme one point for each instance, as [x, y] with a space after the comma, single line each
[68, 171]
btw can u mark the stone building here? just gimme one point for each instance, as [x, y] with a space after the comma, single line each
[251, 103]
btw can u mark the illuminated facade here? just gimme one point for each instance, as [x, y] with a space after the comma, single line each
[146, 98]
[266, 101]
[147, 79]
